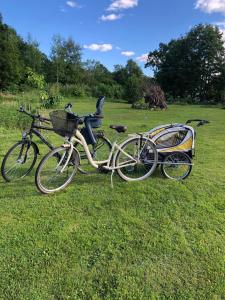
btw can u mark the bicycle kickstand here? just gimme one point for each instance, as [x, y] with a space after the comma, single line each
[112, 173]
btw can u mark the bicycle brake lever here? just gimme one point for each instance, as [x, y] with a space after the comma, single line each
[21, 109]
[68, 106]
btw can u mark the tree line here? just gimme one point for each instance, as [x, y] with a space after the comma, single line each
[191, 67]
[21, 60]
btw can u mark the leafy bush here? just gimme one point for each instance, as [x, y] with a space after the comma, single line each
[51, 96]
[133, 90]
[76, 90]
[50, 102]
[34, 79]
[140, 105]
[114, 91]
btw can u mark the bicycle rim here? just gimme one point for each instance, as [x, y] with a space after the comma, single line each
[51, 176]
[138, 159]
[176, 166]
[19, 161]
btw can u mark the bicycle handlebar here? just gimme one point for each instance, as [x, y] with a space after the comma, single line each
[68, 106]
[39, 117]
[200, 122]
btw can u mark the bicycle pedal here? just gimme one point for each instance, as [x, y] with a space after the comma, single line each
[101, 169]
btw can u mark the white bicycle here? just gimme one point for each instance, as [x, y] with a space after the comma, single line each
[134, 159]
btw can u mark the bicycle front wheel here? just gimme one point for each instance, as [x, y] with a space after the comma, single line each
[137, 159]
[52, 175]
[19, 161]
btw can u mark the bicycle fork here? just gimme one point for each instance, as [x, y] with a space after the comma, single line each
[69, 145]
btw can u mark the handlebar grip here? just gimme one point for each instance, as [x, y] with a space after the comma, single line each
[197, 120]
[43, 119]
[68, 105]
[21, 109]
[202, 122]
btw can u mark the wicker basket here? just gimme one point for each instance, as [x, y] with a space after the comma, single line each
[64, 123]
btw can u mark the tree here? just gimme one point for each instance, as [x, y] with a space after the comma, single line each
[10, 59]
[100, 80]
[97, 72]
[66, 58]
[193, 65]
[31, 56]
[130, 78]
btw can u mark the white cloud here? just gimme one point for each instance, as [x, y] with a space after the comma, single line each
[211, 6]
[122, 4]
[128, 53]
[222, 30]
[111, 17]
[99, 47]
[221, 26]
[72, 4]
[63, 10]
[143, 58]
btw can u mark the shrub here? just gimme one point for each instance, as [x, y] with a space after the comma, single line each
[51, 96]
[34, 79]
[140, 105]
[76, 90]
[113, 91]
[133, 89]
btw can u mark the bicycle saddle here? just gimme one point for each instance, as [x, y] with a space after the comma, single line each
[119, 128]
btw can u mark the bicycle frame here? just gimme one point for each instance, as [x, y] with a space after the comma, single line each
[33, 130]
[110, 162]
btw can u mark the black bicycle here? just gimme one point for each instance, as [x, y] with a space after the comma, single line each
[22, 156]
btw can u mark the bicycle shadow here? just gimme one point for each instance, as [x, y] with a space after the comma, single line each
[26, 186]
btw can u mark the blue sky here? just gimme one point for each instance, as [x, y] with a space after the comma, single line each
[111, 31]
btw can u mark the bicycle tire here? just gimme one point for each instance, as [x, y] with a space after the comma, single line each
[141, 161]
[164, 165]
[7, 156]
[55, 154]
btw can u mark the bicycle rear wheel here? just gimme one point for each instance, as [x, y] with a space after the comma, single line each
[50, 176]
[137, 159]
[19, 161]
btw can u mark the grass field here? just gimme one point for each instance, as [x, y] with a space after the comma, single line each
[156, 239]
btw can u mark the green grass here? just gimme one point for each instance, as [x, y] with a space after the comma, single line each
[156, 239]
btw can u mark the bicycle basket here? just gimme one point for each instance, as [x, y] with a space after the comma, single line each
[64, 123]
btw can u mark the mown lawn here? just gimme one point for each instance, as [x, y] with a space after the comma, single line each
[156, 239]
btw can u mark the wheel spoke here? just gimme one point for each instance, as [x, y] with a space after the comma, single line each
[176, 166]
[136, 159]
[49, 177]
[19, 161]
